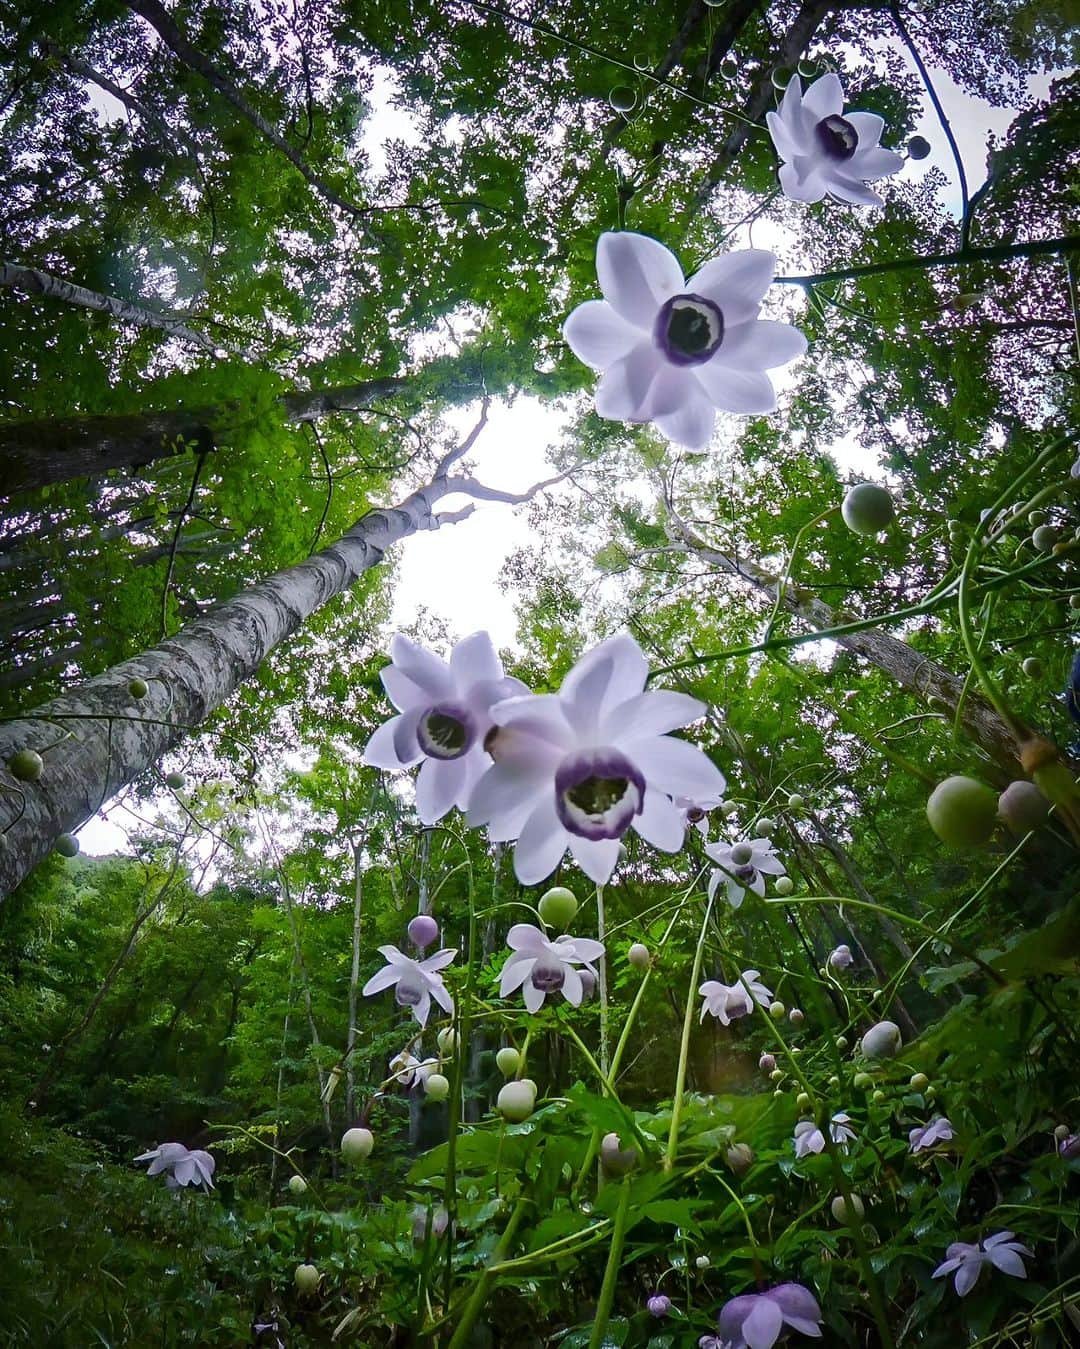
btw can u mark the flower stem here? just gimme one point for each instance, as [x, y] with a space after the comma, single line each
[614, 1267]
[601, 969]
[684, 1045]
[483, 1284]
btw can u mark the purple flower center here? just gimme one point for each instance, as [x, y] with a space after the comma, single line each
[408, 990]
[689, 329]
[837, 137]
[548, 975]
[446, 731]
[694, 814]
[597, 793]
[746, 873]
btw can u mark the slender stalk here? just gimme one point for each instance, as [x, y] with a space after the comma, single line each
[994, 253]
[614, 1267]
[479, 1294]
[601, 969]
[684, 1045]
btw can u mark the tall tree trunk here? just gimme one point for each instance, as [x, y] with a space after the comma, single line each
[40, 451]
[910, 668]
[36, 282]
[111, 738]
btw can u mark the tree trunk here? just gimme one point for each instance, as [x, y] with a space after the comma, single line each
[36, 282]
[910, 668]
[110, 738]
[35, 453]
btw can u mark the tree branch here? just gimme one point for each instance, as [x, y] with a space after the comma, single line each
[995, 253]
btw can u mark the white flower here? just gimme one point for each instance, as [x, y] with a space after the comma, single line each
[415, 982]
[181, 1166]
[924, 1136]
[809, 1138]
[841, 958]
[578, 768]
[673, 351]
[540, 967]
[740, 872]
[823, 150]
[408, 1070]
[726, 1002]
[695, 812]
[445, 716]
[1000, 1250]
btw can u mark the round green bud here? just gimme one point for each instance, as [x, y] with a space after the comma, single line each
[861, 1081]
[783, 885]
[1023, 807]
[1036, 518]
[878, 1096]
[1044, 538]
[138, 688]
[509, 1060]
[962, 812]
[808, 69]
[919, 1082]
[741, 854]
[642, 61]
[67, 845]
[834, 1081]
[1033, 667]
[796, 1016]
[26, 765]
[528, 1082]
[841, 1043]
[1061, 1132]
[729, 68]
[614, 1158]
[930, 1092]
[841, 1212]
[795, 801]
[356, 1145]
[174, 780]
[446, 1040]
[306, 1279]
[777, 1011]
[515, 1101]
[918, 147]
[764, 827]
[777, 1075]
[882, 1041]
[868, 509]
[728, 808]
[638, 956]
[804, 1103]
[436, 1087]
[297, 1185]
[558, 906]
[781, 77]
[622, 98]
[779, 1091]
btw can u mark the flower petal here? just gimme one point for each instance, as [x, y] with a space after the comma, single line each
[439, 960]
[527, 937]
[967, 1276]
[799, 1306]
[441, 994]
[824, 98]
[734, 1313]
[691, 425]
[389, 747]
[423, 1008]
[760, 344]
[675, 767]
[505, 797]
[401, 690]
[637, 274]
[540, 845]
[625, 388]
[743, 391]
[651, 713]
[1007, 1260]
[868, 127]
[809, 187]
[762, 1327]
[437, 786]
[534, 997]
[784, 141]
[659, 823]
[474, 660]
[514, 973]
[598, 335]
[426, 670]
[736, 282]
[849, 190]
[875, 162]
[386, 977]
[573, 990]
[629, 671]
[596, 857]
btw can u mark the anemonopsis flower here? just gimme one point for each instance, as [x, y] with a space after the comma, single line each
[658, 1305]
[696, 813]
[841, 958]
[445, 715]
[671, 350]
[825, 150]
[577, 769]
[539, 967]
[727, 1002]
[743, 866]
[1000, 1251]
[924, 1136]
[757, 1320]
[180, 1166]
[415, 982]
[409, 1070]
[809, 1138]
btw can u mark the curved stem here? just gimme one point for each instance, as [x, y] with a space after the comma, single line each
[782, 584]
[614, 1267]
[684, 1045]
[994, 253]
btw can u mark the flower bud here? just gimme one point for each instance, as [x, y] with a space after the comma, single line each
[777, 1011]
[588, 983]
[516, 1101]
[508, 1060]
[658, 1305]
[918, 147]
[446, 1040]
[702, 1262]
[423, 930]
[306, 1278]
[881, 1041]
[26, 765]
[740, 1157]
[841, 1213]
[614, 1158]
[795, 801]
[766, 1063]
[1061, 1132]
[841, 1043]
[727, 809]
[297, 1185]
[764, 827]
[861, 1081]
[436, 1087]
[804, 1103]
[638, 956]
[557, 907]
[356, 1145]
[776, 1075]
[796, 1016]
[919, 1082]
[783, 885]
[1023, 807]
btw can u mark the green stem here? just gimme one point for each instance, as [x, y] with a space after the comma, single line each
[461, 1040]
[478, 1297]
[614, 1267]
[994, 253]
[684, 1045]
[782, 584]
[601, 968]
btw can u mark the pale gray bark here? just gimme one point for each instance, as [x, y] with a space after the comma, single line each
[96, 738]
[36, 282]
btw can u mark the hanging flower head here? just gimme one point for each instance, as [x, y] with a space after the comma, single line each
[841, 958]
[757, 1320]
[409, 1070]
[826, 152]
[925, 1136]
[415, 982]
[673, 351]
[809, 1138]
[445, 715]
[578, 768]
[180, 1166]
[1000, 1251]
[743, 866]
[727, 1002]
[540, 967]
[696, 812]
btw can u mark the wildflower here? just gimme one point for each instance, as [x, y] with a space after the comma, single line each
[743, 866]
[809, 1138]
[825, 152]
[727, 1002]
[881, 1041]
[415, 982]
[445, 714]
[1069, 1147]
[577, 769]
[540, 967]
[181, 1167]
[695, 812]
[924, 1136]
[673, 351]
[408, 1070]
[658, 1305]
[423, 930]
[1000, 1250]
[841, 958]
[424, 1219]
[757, 1320]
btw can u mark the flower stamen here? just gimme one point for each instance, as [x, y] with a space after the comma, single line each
[837, 137]
[689, 329]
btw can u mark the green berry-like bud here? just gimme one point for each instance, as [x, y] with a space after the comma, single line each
[622, 98]
[882, 1041]
[1061, 1132]
[1036, 518]
[356, 1145]
[436, 1087]
[174, 780]
[26, 765]
[67, 845]
[878, 1096]
[919, 1082]
[1033, 667]
[868, 509]
[728, 808]
[516, 1101]
[834, 1081]
[777, 1011]
[1074, 601]
[962, 812]
[841, 1212]
[796, 1016]
[447, 1041]
[795, 801]
[306, 1279]
[297, 1185]
[508, 1060]
[138, 688]
[918, 147]
[781, 77]
[1044, 538]
[764, 827]
[861, 1081]
[777, 1075]
[558, 907]
[841, 1043]
[742, 854]
[804, 1103]
[638, 956]
[783, 885]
